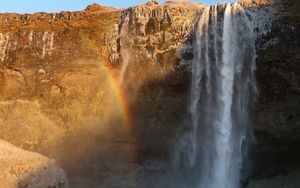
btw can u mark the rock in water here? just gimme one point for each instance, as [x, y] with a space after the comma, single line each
[20, 168]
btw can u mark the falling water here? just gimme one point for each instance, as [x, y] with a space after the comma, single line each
[125, 47]
[214, 145]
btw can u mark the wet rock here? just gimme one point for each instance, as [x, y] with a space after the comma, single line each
[281, 181]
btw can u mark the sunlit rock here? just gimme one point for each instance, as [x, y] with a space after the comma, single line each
[20, 168]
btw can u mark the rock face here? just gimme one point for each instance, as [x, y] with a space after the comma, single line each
[25, 123]
[19, 168]
[283, 181]
[56, 62]
[276, 116]
[159, 33]
[277, 73]
[62, 68]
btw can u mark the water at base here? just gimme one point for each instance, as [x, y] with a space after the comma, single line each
[212, 148]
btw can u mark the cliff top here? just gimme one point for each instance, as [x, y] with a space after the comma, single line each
[68, 19]
[96, 8]
[174, 4]
[99, 8]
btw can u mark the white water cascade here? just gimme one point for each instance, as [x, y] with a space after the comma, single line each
[125, 47]
[214, 145]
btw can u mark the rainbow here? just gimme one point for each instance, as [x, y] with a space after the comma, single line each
[116, 88]
[119, 95]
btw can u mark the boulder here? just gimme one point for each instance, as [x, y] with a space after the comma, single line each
[20, 168]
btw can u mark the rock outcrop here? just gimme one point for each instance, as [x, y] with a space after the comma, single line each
[19, 168]
[159, 33]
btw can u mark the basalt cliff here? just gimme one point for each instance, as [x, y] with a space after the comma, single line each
[68, 79]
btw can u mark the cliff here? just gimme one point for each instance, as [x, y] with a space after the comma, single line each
[276, 114]
[56, 65]
[56, 71]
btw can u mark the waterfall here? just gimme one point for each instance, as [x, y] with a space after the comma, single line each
[124, 32]
[212, 148]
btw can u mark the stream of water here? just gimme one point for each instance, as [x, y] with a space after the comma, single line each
[214, 147]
